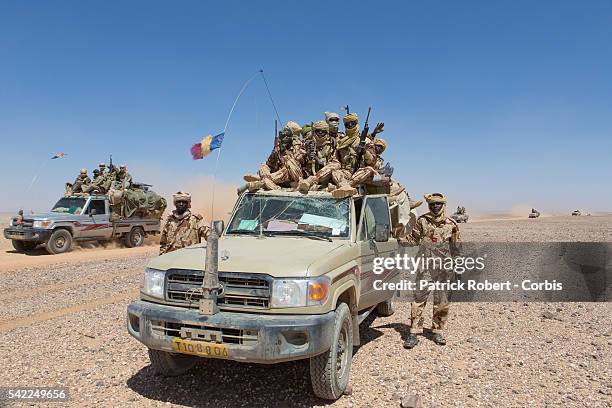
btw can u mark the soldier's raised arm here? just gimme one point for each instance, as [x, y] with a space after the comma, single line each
[415, 236]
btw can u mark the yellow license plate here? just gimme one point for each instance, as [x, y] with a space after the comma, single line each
[200, 348]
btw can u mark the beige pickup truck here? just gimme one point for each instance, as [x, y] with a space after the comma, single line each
[296, 277]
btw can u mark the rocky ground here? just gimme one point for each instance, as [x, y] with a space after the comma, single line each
[62, 323]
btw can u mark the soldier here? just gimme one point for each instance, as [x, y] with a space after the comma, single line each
[296, 130]
[283, 167]
[333, 120]
[182, 228]
[97, 184]
[19, 218]
[320, 159]
[102, 169]
[80, 183]
[437, 236]
[124, 177]
[346, 152]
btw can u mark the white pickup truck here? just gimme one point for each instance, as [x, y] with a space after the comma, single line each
[78, 218]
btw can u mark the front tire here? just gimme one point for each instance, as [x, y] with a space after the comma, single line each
[171, 364]
[59, 242]
[135, 237]
[23, 246]
[329, 372]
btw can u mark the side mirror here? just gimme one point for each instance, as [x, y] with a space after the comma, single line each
[219, 226]
[381, 233]
[92, 212]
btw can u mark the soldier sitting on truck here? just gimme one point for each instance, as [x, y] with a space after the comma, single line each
[80, 183]
[182, 228]
[124, 177]
[320, 157]
[283, 166]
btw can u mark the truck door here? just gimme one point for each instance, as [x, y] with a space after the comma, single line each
[96, 226]
[374, 215]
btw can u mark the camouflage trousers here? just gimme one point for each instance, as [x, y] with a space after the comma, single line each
[321, 177]
[343, 177]
[441, 303]
[290, 172]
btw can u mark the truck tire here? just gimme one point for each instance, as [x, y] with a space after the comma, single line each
[23, 246]
[386, 308]
[135, 237]
[59, 242]
[330, 371]
[171, 364]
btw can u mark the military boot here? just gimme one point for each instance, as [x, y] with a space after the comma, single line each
[344, 191]
[411, 341]
[305, 184]
[438, 339]
[251, 177]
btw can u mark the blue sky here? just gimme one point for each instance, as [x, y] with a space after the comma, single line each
[493, 103]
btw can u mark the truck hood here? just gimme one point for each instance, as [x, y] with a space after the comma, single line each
[54, 216]
[275, 256]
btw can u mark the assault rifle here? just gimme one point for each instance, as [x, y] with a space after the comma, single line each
[362, 142]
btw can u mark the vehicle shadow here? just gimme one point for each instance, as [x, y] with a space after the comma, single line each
[221, 383]
[402, 329]
[33, 252]
[367, 333]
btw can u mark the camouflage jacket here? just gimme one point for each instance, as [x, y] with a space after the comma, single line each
[318, 153]
[277, 158]
[81, 180]
[434, 238]
[182, 231]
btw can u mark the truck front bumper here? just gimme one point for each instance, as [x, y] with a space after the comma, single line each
[255, 338]
[27, 234]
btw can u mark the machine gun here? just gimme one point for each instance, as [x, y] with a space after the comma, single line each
[362, 142]
[310, 145]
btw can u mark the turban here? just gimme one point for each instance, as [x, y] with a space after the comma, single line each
[381, 143]
[349, 117]
[181, 196]
[295, 128]
[435, 198]
[320, 125]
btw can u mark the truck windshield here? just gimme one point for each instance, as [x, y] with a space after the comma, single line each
[70, 205]
[286, 215]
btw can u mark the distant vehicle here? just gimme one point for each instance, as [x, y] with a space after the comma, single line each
[79, 218]
[460, 215]
[576, 213]
[534, 213]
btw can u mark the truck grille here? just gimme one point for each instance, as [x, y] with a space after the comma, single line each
[222, 335]
[239, 289]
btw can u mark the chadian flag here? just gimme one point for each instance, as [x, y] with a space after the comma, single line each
[207, 145]
[60, 155]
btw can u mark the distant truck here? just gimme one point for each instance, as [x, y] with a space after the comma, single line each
[297, 278]
[78, 218]
[576, 213]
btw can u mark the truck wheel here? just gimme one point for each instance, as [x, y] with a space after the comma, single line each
[135, 237]
[329, 372]
[59, 242]
[23, 246]
[171, 364]
[386, 308]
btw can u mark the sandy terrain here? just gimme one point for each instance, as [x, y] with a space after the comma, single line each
[62, 323]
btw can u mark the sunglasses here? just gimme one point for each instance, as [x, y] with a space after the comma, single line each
[320, 132]
[351, 124]
[334, 120]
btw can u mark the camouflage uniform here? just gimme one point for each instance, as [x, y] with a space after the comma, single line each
[97, 182]
[182, 230]
[80, 183]
[346, 152]
[437, 236]
[283, 166]
[333, 120]
[124, 177]
[320, 159]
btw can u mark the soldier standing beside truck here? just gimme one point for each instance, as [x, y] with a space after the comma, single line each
[182, 228]
[438, 236]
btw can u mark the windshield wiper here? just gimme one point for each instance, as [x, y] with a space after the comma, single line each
[249, 232]
[309, 234]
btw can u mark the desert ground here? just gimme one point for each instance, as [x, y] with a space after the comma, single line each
[62, 323]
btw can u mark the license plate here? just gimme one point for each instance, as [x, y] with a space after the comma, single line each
[200, 348]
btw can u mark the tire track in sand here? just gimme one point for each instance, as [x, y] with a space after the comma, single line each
[41, 317]
[87, 280]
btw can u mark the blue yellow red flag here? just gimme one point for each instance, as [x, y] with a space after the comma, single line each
[207, 145]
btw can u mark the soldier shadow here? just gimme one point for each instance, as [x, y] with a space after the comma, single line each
[221, 383]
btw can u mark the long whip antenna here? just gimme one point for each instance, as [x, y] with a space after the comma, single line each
[270, 95]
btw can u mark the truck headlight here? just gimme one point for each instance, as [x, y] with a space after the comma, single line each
[299, 292]
[153, 284]
[41, 224]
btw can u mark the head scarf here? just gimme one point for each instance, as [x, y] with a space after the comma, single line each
[182, 196]
[437, 198]
[295, 128]
[381, 143]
